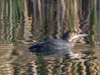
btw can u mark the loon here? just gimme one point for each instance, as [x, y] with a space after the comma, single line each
[57, 46]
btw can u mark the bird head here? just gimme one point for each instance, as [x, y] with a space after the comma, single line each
[70, 35]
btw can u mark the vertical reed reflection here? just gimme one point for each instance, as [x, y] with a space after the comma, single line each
[98, 18]
[29, 21]
[39, 20]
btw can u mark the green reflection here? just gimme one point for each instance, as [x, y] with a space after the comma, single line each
[93, 26]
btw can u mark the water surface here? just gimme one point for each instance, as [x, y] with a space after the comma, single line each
[26, 22]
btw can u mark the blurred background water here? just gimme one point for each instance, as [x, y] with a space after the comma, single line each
[26, 22]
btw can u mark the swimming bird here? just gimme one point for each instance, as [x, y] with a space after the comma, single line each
[57, 46]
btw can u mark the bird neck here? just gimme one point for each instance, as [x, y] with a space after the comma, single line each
[68, 39]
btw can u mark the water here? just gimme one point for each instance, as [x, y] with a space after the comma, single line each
[16, 60]
[26, 22]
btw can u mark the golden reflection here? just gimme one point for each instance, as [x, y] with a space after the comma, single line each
[18, 60]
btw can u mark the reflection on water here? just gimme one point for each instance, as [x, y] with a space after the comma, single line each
[30, 20]
[16, 60]
[26, 22]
